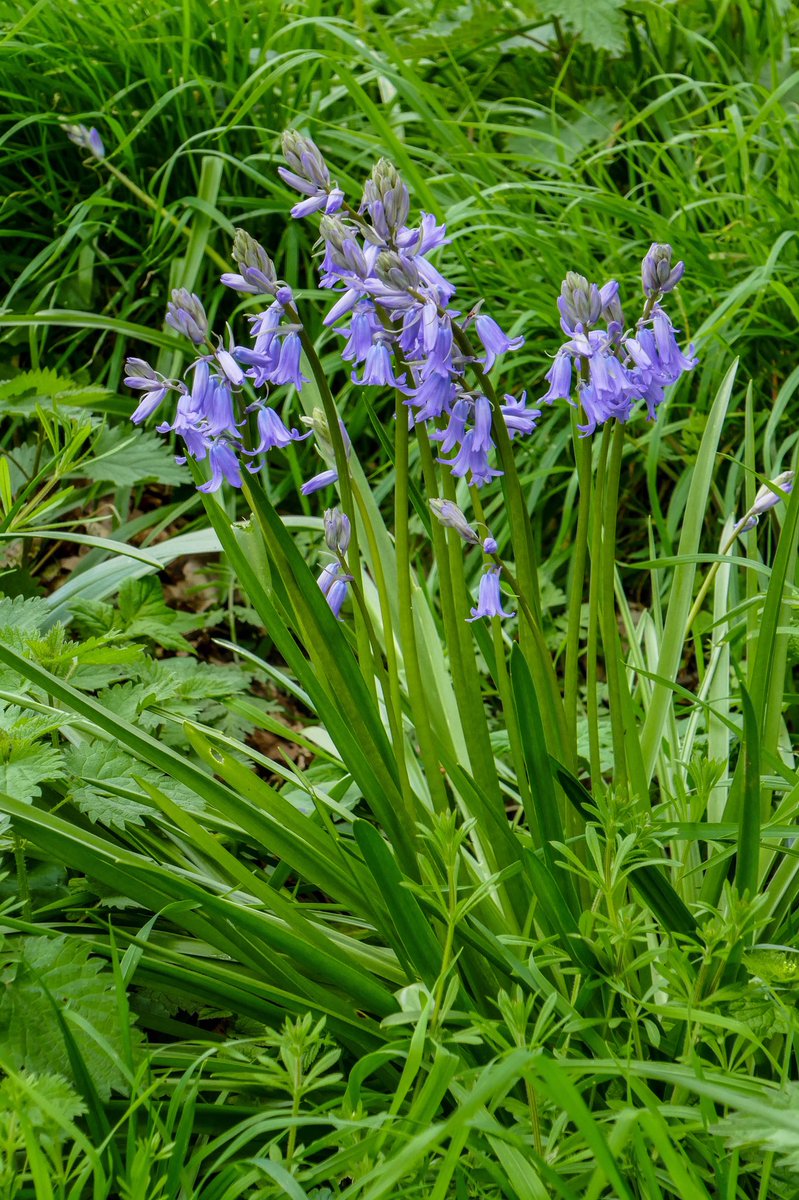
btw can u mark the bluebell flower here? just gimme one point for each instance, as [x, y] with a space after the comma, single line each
[379, 367]
[434, 397]
[579, 303]
[490, 545]
[322, 480]
[657, 274]
[272, 432]
[455, 432]
[481, 438]
[338, 594]
[334, 586]
[229, 367]
[328, 576]
[449, 515]
[489, 599]
[559, 377]
[363, 328]
[257, 275]
[307, 173]
[495, 342]
[288, 366]
[471, 460]
[185, 313]
[766, 498]
[87, 139]
[386, 199]
[224, 467]
[337, 530]
[143, 378]
[517, 416]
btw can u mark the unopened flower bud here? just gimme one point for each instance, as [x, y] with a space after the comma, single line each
[257, 268]
[490, 545]
[451, 516]
[87, 139]
[396, 271]
[337, 530]
[579, 302]
[186, 314]
[317, 422]
[386, 198]
[305, 159]
[766, 498]
[611, 305]
[657, 274]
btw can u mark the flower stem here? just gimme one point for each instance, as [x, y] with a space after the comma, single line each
[344, 481]
[449, 560]
[410, 658]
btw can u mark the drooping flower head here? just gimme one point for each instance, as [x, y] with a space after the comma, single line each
[657, 274]
[87, 139]
[604, 372]
[185, 313]
[489, 599]
[767, 497]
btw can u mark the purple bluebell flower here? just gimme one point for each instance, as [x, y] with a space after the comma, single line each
[495, 342]
[334, 586]
[229, 367]
[288, 367]
[449, 515]
[337, 530]
[433, 397]
[224, 467]
[559, 377]
[579, 303]
[143, 378]
[489, 598]
[657, 273]
[455, 432]
[672, 360]
[257, 275]
[273, 433]
[363, 328]
[307, 173]
[317, 482]
[185, 313]
[490, 545]
[471, 460]
[328, 576]
[517, 416]
[766, 498]
[86, 139]
[379, 367]
[338, 594]
[386, 199]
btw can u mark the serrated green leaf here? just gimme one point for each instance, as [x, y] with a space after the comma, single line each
[125, 456]
[24, 767]
[29, 1032]
[600, 23]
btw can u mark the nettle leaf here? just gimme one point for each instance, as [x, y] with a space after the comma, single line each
[600, 23]
[20, 396]
[126, 456]
[106, 788]
[48, 1101]
[29, 1030]
[143, 613]
[24, 765]
[24, 614]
